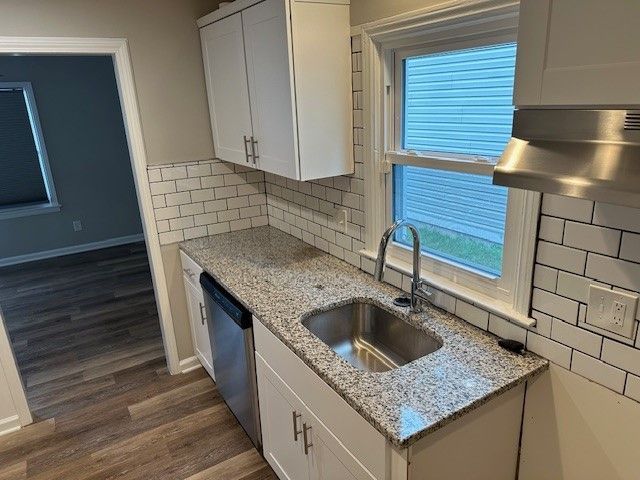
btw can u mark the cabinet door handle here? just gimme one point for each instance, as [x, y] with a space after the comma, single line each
[246, 148]
[296, 432]
[202, 315]
[188, 272]
[307, 444]
[254, 147]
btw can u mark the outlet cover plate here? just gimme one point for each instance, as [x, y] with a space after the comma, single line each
[600, 311]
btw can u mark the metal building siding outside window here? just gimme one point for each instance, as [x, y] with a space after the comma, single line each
[457, 103]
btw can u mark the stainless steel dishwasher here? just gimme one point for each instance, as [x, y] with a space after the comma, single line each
[231, 335]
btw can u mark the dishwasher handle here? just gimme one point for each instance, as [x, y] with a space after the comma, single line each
[216, 293]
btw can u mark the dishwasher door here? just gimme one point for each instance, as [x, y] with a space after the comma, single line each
[231, 335]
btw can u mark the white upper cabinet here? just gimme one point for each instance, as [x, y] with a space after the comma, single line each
[278, 76]
[270, 93]
[226, 75]
[578, 53]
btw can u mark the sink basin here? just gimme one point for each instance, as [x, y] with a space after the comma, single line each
[370, 338]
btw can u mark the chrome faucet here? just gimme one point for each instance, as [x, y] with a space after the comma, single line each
[418, 291]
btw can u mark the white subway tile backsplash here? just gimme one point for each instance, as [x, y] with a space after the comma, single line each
[567, 207]
[545, 278]
[617, 216]
[186, 205]
[555, 305]
[574, 286]
[180, 198]
[203, 195]
[505, 329]
[472, 314]
[543, 323]
[632, 388]
[592, 238]
[551, 229]
[614, 271]
[160, 188]
[598, 371]
[561, 257]
[622, 356]
[630, 249]
[200, 170]
[167, 213]
[181, 223]
[554, 351]
[195, 232]
[186, 184]
[191, 209]
[174, 173]
[154, 175]
[576, 337]
[171, 237]
[218, 228]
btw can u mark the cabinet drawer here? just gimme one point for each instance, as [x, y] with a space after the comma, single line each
[190, 269]
[364, 442]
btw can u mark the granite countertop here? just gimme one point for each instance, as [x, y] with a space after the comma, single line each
[281, 280]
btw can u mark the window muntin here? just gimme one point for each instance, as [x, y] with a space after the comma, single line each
[26, 185]
[455, 104]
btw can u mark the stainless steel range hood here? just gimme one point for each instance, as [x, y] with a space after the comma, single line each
[591, 154]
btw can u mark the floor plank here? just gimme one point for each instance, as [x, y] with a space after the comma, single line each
[85, 331]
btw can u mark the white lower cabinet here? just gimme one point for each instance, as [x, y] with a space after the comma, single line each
[197, 313]
[305, 450]
[310, 433]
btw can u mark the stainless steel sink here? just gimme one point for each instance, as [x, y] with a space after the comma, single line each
[370, 338]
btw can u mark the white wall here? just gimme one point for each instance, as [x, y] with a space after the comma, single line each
[165, 52]
[364, 11]
[575, 429]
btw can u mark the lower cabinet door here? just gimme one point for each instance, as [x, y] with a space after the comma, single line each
[199, 327]
[281, 417]
[323, 463]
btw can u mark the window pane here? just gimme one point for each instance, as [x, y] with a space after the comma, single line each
[459, 101]
[460, 216]
[21, 181]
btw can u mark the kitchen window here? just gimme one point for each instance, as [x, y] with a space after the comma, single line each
[446, 113]
[26, 185]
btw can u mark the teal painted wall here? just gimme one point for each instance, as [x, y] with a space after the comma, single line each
[79, 109]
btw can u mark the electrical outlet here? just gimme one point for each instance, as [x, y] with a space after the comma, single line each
[612, 311]
[617, 313]
[77, 225]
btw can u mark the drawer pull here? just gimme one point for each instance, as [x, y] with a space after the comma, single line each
[189, 272]
[307, 444]
[203, 318]
[296, 432]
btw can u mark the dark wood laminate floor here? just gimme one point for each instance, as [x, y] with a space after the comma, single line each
[86, 335]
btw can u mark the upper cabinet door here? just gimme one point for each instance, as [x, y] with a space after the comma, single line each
[578, 53]
[226, 77]
[270, 87]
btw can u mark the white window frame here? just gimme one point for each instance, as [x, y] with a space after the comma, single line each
[52, 205]
[385, 44]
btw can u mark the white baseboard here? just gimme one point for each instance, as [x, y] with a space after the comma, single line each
[9, 424]
[189, 364]
[59, 252]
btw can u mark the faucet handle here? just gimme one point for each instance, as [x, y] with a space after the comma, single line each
[421, 290]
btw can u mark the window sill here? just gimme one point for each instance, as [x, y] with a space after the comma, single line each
[30, 210]
[497, 307]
